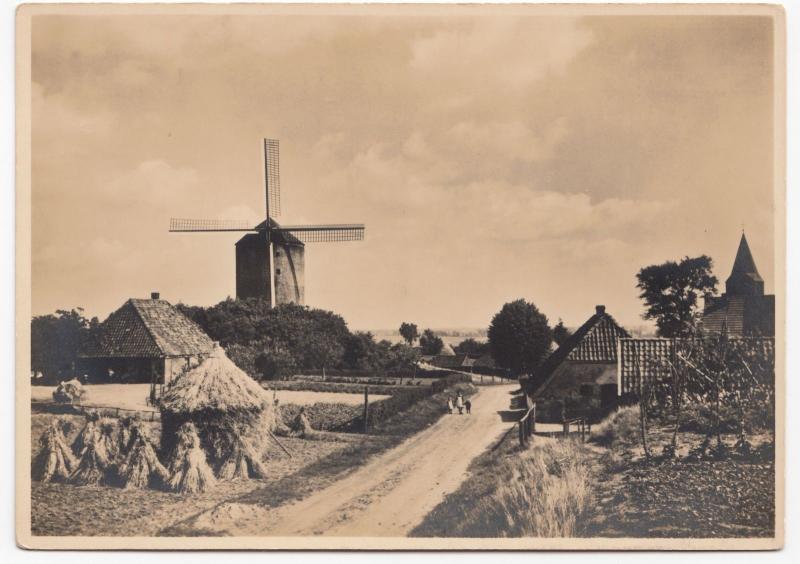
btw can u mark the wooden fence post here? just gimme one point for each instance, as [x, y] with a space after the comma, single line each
[366, 407]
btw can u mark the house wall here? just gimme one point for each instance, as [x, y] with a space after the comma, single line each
[577, 387]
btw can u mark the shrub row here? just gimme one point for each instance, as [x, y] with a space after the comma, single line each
[329, 387]
[345, 418]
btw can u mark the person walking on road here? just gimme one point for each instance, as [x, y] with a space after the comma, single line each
[449, 405]
[468, 406]
[460, 403]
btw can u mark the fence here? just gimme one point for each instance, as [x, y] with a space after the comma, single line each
[583, 425]
[527, 427]
[146, 415]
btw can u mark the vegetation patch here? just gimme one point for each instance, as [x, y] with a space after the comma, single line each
[541, 492]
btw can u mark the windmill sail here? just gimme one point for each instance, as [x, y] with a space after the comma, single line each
[177, 224]
[324, 233]
[272, 175]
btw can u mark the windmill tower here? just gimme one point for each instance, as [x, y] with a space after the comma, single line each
[270, 258]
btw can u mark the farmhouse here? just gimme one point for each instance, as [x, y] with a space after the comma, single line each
[144, 341]
[743, 310]
[582, 372]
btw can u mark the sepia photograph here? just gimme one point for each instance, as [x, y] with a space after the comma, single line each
[375, 277]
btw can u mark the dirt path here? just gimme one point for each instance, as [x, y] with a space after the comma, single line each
[390, 495]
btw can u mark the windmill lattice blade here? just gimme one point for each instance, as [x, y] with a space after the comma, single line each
[272, 170]
[191, 225]
[325, 233]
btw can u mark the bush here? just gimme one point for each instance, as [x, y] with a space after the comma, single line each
[618, 429]
[697, 418]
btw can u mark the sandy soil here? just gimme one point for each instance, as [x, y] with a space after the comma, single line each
[391, 494]
[134, 396]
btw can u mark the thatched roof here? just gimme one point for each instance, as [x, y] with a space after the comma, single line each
[216, 384]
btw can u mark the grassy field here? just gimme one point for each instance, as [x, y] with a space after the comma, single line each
[62, 509]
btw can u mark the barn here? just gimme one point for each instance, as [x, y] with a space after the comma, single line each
[144, 341]
[581, 374]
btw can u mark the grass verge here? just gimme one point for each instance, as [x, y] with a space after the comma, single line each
[540, 492]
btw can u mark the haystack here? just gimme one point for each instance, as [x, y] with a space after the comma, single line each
[55, 461]
[188, 466]
[230, 411]
[140, 467]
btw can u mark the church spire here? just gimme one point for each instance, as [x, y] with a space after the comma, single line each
[744, 279]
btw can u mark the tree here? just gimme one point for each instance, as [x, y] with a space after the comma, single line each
[56, 340]
[275, 363]
[409, 332]
[519, 337]
[472, 347]
[430, 343]
[671, 290]
[561, 333]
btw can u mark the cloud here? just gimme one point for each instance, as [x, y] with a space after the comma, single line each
[503, 52]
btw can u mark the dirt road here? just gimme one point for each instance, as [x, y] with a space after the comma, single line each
[390, 495]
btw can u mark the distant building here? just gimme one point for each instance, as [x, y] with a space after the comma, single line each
[743, 310]
[582, 372]
[144, 341]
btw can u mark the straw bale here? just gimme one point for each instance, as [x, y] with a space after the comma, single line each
[189, 467]
[55, 461]
[140, 467]
[93, 465]
[243, 462]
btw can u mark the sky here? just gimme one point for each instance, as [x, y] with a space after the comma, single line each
[491, 158]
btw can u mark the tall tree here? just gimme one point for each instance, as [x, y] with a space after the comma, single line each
[671, 290]
[409, 332]
[519, 336]
[430, 342]
[561, 333]
[56, 340]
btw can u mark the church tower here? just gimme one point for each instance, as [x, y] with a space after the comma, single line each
[743, 310]
[744, 279]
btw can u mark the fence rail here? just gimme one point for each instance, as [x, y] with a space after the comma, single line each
[583, 425]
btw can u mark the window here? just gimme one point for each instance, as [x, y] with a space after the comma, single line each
[277, 271]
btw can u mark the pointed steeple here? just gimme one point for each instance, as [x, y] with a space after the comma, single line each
[744, 279]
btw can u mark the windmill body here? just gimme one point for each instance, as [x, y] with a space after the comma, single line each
[270, 258]
[253, 269]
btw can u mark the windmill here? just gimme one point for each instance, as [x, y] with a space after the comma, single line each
[270, 259]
